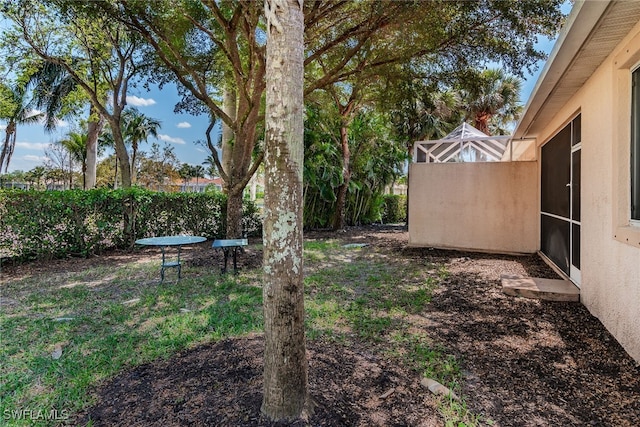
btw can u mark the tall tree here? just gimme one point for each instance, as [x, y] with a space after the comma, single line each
[207, 46]
[438, 38]
[15, 109]
[285, 363]
[212, 168]
[186, 172]
[106, 174]
[419, 108]
[349, 68]
[106, 140]
[36, 174]
[55, 90]
[76, 145]
[322, 172]
[59, 164]
[492, 99]
[137, 128]
[348, 105]
[98, 53]
[94, 129]
[376, 159]
[198, 172]
[211, 45]
[159, 167]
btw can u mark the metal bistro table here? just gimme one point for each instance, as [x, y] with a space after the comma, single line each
[164, 242]
[227, 245]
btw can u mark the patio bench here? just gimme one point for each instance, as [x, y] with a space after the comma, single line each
[227, 246]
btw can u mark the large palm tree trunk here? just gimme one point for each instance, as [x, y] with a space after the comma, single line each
[8, 146]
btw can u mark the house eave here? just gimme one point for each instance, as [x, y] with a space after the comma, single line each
[579, 27]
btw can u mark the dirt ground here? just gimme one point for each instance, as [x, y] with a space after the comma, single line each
[524, 362]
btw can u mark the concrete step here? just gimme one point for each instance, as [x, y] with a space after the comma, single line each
[544, 289]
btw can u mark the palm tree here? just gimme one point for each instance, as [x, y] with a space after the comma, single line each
[212, 168]
[15, 109]
[52, 87]
[493, 100]
[36, 174]
[198, 172]
[137, 128]
[423, 112]
[52, 84]
[186, 172]
[76, 144]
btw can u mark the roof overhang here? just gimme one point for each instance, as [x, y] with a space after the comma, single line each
[593, 29]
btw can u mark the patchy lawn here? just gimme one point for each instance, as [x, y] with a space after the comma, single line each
[102, 342]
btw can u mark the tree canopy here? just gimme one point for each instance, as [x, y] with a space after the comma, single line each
[101, 56]
[358, 54]
[209, 47]
[15, 109]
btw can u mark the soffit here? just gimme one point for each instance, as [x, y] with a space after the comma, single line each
[556, 86]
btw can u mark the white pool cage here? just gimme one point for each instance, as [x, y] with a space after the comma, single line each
[465, 144]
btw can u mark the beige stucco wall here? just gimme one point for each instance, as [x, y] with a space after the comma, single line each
[477, 206]
[610, 264]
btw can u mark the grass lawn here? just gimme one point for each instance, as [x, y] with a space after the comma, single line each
[63, 334]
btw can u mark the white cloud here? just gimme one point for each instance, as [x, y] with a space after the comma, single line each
[140, 102]
[202, 150]
[32, 145]
[3, 127]
[57, 122]
[36, 159]
[33, 112]
[171, 139]
[62, 123]
[184, 125]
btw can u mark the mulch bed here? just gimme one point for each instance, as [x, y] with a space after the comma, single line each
[220, 384]
[529, 362]
[525, 362]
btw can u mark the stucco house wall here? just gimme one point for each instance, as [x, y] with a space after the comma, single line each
[478, 206]
[496, 207]
[610, 247]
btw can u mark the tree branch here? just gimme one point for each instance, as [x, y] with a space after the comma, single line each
[214, 152]
[245, 180]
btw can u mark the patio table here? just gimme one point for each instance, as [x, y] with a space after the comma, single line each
[166, 241]
[227, 245]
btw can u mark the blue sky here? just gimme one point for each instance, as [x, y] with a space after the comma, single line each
[178, 130]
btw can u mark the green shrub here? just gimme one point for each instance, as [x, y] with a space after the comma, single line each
[55, 224]
[251, 219]
[394, 208]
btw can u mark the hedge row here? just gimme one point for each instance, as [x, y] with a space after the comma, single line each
[394, 209]
[55, 224]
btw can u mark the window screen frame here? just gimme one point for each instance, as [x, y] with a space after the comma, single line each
[635, 148]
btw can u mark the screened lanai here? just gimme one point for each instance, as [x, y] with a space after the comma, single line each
[472, 191]
[468, 144]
